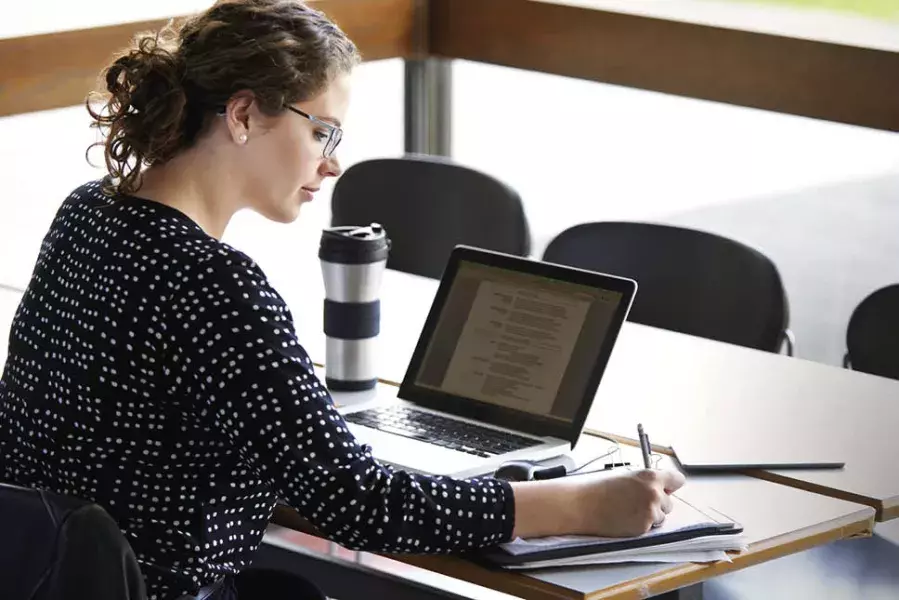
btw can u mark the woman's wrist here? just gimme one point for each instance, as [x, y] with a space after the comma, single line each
[552, 507]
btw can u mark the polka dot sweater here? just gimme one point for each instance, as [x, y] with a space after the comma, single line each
[153, 369]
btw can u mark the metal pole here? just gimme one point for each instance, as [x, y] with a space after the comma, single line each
[428, 110]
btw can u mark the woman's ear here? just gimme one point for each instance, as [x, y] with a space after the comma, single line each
[237, 114]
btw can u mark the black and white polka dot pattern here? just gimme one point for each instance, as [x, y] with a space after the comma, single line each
[152, 369]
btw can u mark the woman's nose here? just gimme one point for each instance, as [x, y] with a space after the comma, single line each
[330, 167]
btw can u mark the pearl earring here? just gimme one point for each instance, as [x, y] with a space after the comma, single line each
[242, 138]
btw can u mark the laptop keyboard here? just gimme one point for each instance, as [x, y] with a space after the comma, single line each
[441, 431]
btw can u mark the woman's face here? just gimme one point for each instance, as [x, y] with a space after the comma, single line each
[283, 155]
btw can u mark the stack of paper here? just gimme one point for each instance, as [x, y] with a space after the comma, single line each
[688, 534]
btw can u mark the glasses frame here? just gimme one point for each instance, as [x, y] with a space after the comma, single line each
[335, 133]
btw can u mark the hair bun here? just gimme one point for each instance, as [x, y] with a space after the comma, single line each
[147, 74]
[144, 115]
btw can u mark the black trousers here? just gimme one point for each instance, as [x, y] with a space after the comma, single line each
[268, 584]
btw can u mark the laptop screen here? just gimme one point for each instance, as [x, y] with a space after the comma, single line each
[518, 340]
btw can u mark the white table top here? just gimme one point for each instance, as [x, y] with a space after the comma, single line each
[801, 520]
[681, 386]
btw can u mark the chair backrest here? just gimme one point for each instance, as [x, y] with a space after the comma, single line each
[54, 547]
[872, 337]
[688, 281]
[428, 205]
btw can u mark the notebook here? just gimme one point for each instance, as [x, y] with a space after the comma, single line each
[688, 534]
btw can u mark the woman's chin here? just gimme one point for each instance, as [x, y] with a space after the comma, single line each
[286, 213]
[290, 214]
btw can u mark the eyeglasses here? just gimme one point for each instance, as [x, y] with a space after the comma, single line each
[335, 133]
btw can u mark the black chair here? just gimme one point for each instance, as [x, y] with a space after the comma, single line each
[428, 205]
[872, 337]
[54, 547]
[688, 281]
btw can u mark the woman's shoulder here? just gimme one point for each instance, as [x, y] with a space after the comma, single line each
[232, 269]
[151, 229]
[224, 277]
[104, 207]
[89, 193]
[225, 259]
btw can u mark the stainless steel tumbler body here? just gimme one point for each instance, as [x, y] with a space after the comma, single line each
[353, 260]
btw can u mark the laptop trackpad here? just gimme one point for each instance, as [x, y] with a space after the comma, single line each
[406, 453]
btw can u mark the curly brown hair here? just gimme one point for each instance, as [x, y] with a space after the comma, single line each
[162, 90]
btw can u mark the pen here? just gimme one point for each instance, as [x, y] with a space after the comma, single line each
[644, 446]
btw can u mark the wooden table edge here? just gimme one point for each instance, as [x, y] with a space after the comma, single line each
[858, 524]
[882, 512]
[890, 510]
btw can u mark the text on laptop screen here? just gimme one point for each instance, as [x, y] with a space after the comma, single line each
[517, 340]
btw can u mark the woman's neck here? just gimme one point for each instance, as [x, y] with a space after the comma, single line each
[192, 183]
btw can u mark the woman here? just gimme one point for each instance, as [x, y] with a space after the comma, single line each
[153, 369]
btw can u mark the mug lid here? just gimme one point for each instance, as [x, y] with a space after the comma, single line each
[354, 244]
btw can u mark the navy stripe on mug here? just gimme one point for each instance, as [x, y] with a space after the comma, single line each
[352, 320]
[339, 385]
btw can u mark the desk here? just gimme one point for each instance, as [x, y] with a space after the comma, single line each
[802, 521]
[679, 386]
[701, 387]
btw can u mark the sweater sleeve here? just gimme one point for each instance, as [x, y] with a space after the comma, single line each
[237, 341]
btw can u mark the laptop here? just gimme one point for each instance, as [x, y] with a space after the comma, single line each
[506, 366]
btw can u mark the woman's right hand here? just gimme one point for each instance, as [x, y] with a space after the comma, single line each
[628, 504]
[602, 504]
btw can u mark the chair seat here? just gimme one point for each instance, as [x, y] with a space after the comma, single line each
[61, 548]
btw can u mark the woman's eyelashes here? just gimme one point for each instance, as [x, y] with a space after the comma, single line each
[320, 135]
